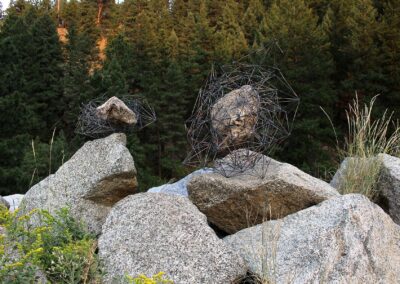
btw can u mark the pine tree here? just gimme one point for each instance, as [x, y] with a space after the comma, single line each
[44, 81]
[76, 83]
[216, 10]
[307, 65]
[87, 15]
[184, 26]
[353, 31]
[320, 7]
[389, 37]
[252, 19]
[197, 66]
[167, 96]
[230, 38]
[204, 33]
[31, 89]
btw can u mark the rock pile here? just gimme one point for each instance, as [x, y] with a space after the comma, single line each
[283, 227]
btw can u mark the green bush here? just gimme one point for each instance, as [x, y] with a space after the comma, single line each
[58, 247]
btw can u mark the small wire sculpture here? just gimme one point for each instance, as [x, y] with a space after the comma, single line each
[242, 106]
[92, 125]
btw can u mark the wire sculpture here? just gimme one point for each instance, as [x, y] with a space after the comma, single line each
[242, 106]
[92, 124]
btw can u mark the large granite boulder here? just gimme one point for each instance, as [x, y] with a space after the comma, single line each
[151, 232]
[234, 116]
[389, 186]
[14, 200]
[383, 168]
[268, 190]
[100, 173]
[342, 240]
[179, 187]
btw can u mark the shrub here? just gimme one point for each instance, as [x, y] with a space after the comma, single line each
[73, 262]
[58, 247]
[366, 139]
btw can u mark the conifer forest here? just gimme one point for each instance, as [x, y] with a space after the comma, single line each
[57, 55]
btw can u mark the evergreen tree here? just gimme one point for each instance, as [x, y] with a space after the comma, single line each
[44, 79]
[320, 7]
[307, 65]
[170, 107]
[31, 72]
[230, 38]
[216, 10]
[353, 32]
[87, 16]
[252, 19]
[196, 67]
[389, 50]
[76, 83]
[17, 119]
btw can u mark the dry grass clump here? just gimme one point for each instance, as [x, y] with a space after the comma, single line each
[366, 139]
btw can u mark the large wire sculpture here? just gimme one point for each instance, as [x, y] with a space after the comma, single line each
[242, 106]
[94, 124]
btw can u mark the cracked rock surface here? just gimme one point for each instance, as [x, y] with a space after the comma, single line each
[342, 240]
[98, 175]
[241, 201]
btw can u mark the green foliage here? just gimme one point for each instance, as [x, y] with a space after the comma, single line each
[367, 138]
[57, 246]
[30, 89]
[73, 263]
[230, 38]
[163, 52]
[308, 67]
[353, 30]
[44, 158]
[78, 53]
[389, 51]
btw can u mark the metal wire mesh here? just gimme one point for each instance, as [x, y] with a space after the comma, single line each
[241, 106]
[91, 125]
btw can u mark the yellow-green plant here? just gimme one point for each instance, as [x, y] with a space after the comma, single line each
[365, 140]
[56, 245]
[73, 262]
[20, 249]
[143, 279]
